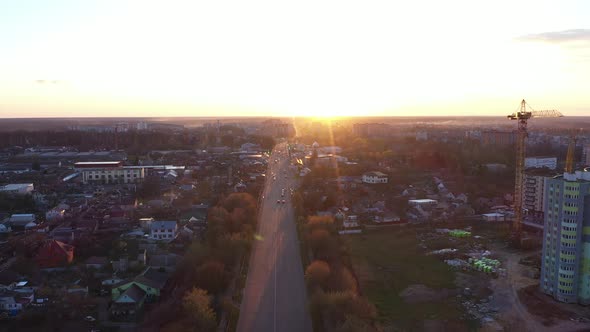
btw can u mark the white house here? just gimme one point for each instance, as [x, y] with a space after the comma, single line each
[163, 230]
[18, 188]
[374, 177]
[493, 217]
[422, 202]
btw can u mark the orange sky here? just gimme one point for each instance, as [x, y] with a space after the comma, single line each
[326, 58]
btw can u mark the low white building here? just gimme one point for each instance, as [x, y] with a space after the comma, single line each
[540, 162]
[425, 202]
[493, 217]
[21, 220]
[374, 177]
[105, 172]
[18, 188]
[163, 230]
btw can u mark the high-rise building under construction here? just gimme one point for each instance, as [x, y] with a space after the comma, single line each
[565, 271]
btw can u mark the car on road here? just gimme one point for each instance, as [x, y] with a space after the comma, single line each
[283, 201]
[89, 319]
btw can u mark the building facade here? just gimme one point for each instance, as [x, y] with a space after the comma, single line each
[109, 172]
[374, 177]
[18, 188]
[533, 195]
[540, 162]
[586, 154]
[163, 230]
[565, 269]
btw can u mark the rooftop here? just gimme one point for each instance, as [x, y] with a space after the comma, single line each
[163, 224]
[16, 186]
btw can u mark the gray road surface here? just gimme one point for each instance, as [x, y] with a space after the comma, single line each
[275, 294]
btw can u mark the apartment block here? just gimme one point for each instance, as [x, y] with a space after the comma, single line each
[565, 271]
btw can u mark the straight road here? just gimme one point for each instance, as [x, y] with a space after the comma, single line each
[275, 293]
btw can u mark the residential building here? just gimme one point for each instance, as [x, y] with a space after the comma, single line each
[493, 217]
[541, 162]
[565, 262]
[586, 155]
[18, 188]
[9, 305]
[129, 303]
[533, 195]
[54, 253]
[163, 230]
[97, 262]
[22, 221]
[105, 172]
[495, 137]
[151, 281]
[375, 177]
[425, 202]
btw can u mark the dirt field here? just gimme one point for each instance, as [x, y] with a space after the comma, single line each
[523, 307]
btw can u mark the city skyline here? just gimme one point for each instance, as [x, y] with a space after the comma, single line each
[421, 58]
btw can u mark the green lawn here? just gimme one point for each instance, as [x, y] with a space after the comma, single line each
[387, 262]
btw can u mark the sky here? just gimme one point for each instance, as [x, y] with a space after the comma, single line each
[107, 58]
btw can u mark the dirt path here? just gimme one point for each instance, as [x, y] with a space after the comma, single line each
[513, 314]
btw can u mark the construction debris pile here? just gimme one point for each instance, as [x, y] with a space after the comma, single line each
[459, 233]
[484, 264]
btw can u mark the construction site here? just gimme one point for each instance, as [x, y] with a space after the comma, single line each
[463, 275]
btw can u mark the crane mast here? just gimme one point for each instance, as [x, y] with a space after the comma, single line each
[522, 116]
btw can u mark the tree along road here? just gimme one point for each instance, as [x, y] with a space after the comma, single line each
[275, 293]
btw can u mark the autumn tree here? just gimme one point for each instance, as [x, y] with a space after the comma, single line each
[317, 273]
[211, 276]
[197, 306]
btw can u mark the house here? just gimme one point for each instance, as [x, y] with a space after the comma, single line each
[55, 214]
[96, 262]
[350, 222]
[187, 187]
[5, 229]
[146, 224]
[374, 177]
[20, 221]
[151, 281]
[18, 188]
[9, 305]
[197, 214]
[422, 202]
[129, 303]
[54, 254]
[163, 230]
[166, 261]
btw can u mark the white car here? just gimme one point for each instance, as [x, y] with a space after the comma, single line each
[283, 201]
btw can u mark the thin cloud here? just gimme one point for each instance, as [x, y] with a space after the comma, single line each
[556, 37]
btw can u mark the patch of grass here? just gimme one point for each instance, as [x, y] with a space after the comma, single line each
[395, 262]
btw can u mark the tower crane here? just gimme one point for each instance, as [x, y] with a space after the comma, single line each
[522, 115]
